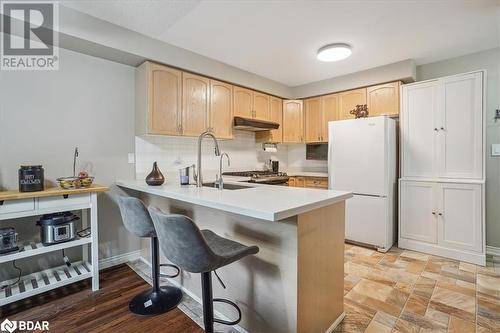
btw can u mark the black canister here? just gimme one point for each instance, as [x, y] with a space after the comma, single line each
[30, 178]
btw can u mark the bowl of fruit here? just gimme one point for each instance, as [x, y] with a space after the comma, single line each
[82, 180]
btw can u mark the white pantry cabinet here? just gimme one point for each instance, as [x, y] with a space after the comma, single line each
[445, 214]
[442, 128]
[460, 216]
[441, 198]
[418, 211]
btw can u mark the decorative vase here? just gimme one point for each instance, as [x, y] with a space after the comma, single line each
[155, 178]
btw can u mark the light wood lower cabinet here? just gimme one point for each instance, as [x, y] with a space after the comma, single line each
[348, 101]
[445, 219]
[195, 104]
[311, 182]
[383, 99]
[293, 121]
[221, 109]
[316, 182]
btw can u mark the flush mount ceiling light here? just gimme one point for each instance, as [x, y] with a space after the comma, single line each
[334, 52]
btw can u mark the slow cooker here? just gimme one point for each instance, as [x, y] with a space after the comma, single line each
[57, 228]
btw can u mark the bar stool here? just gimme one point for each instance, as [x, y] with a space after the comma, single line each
[199, 251]
[156, 300]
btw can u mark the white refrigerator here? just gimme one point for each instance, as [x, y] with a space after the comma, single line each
[362, 159]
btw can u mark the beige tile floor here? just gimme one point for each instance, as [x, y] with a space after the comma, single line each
[406, 291]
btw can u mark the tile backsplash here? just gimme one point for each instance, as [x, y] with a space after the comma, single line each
[173, 153]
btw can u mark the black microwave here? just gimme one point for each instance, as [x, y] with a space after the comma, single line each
[317, 152]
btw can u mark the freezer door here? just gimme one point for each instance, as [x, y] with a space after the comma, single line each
[359, 158]
[368, 220]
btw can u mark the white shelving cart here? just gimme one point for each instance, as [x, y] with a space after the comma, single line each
[14, 204]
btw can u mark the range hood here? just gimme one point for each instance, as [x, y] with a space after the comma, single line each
[254, 125]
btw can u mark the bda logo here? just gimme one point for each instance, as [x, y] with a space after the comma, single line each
[8, 326]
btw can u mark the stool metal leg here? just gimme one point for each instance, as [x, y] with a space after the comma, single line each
[156, 300]
[208, 306]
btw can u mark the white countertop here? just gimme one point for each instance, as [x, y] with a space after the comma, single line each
[307, 174]
[267, 202]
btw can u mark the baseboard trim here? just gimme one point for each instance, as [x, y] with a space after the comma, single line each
[473, 258]
[336, 323]
[493, 250]
[196, 298]
[119, 259]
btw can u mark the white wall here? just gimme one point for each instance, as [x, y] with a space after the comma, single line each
[89, 103]
[172, 153]
[402, 70]
[489, 60]
[88, 34]
[297, 160]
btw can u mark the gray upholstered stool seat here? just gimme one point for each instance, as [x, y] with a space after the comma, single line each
[156, 300]
[199, 251]
[226, 250]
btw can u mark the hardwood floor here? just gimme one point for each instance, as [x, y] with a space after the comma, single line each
[75, 308]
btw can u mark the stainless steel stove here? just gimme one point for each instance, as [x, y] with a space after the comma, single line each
[262, 177]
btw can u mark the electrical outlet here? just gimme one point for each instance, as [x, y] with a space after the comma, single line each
[495, 149]
[131, 158]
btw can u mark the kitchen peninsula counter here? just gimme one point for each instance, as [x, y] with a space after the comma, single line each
[295, 282]
[267, 202]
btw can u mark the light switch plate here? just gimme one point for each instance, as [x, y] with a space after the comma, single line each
[495, 149]
[131, 158]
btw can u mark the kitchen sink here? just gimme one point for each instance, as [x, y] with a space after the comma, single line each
[227, 186]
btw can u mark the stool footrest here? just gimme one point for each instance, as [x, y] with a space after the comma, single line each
[171, 266]
[226, 322]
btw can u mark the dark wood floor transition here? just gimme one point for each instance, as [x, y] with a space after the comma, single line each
[75, 308]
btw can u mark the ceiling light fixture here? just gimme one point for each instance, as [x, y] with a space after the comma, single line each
[334, 52]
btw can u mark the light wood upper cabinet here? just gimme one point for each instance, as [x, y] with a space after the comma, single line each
[158, 100]
[348, 101]
[317, 113]
[312, 119]
[275, 115]
[243, 102]
[260, 106]
[195, 104]
[329, 112]
[293, 121]
[383, 99]
[221, 109]
[251, 104]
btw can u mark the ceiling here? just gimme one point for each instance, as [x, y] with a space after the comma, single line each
[279, 39]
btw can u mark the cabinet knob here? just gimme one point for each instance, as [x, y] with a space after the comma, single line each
[436, 129]
[433, 213]
[440, 214]
[442, 128]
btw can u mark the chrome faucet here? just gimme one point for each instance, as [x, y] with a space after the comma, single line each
[219, 181]
[199, 177]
